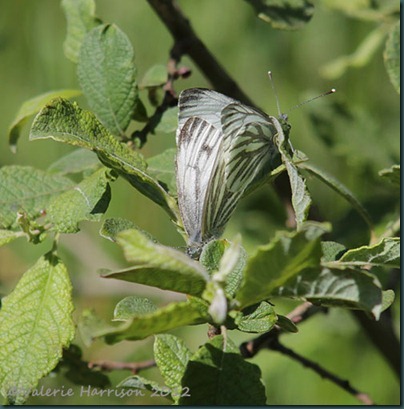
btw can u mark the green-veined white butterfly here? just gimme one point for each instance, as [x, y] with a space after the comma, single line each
[223, 148]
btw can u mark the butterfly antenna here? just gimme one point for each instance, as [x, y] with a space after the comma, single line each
[275, 93]
[331, 91]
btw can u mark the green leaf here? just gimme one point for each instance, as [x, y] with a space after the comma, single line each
[80, 19]
[91, 326]
[6, 236]
[31, 107]
[169, 121]
[111, 227]
[218, 375]
[225, 281]
[284, 258]
[139, 383]
[331, 250]
[132, 306]
[286, 324]
[392, 56]
[284, 14]
[35, 323]
[171, 356]
[340, 189]
[159, 266]
[162, 168]
[107, 75]
[78, 161]
[211, 258]
[23, 188]
[392, 174]
[66, 122]
[164, 319]
[365, 51]
[88, 200]
[385, 253]
[301, 199]
[343, 287]
[257, 319]
[156, 76]
[387, 299]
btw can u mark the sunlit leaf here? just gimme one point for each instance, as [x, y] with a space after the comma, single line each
[284, 258]
[31, 107]
[80, 160]
[133, 306]
[80, 20]
[163, 319]
[385, 253]
[88, 200]
[158, 266]
[172, 356]
[107, 75]
[36, 324]
[23, 188]
[392, 174]
[66, 122]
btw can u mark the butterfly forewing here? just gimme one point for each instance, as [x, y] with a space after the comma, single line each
[201, 103]
[199, 145]
[249, 151]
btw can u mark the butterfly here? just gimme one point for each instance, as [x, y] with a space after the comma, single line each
[224, 148]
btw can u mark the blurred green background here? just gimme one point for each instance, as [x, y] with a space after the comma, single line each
[366, 123]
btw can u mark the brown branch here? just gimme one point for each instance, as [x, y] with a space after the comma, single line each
[135, 367]
[275, 345]
[168, 101]
[187, 42]
[270, 340]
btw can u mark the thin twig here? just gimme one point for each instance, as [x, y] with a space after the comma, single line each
[187, 42]
[342, 383]
[168, 101]
[270, 340]
[134, 367]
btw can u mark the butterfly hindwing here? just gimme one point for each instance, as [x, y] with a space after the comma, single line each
[199, 145]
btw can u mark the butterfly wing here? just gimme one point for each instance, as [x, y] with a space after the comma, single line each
[198, 150]
[249, 150]
[224, 148]
[201, 103]
[220, 202]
